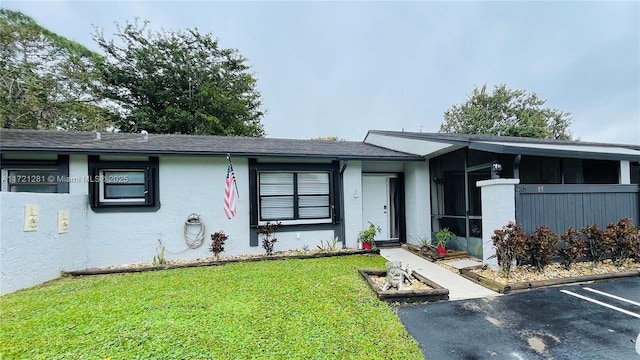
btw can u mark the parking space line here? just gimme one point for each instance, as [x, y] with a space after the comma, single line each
[601, 303]
[611, 296]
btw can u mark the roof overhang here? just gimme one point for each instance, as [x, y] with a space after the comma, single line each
[558, 150]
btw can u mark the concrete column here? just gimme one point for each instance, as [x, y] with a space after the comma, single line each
[498, 208]
[625, 172]
[417, 200]
[352, 188]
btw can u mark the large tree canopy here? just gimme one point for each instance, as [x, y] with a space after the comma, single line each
[506, 112]
[46, 80]
[178, 82]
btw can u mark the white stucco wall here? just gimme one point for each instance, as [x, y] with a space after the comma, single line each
[498, 208]
[187, 185]
[28, 258]
[417, 201]
[289, 240]
[78, 170]
[352, 182]
[99, 239]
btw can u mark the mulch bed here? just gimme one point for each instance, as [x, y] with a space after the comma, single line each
[181, 264]
[526, 277]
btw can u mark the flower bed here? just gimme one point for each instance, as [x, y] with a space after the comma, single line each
[179, 264]
[432, 255]
[526, 277]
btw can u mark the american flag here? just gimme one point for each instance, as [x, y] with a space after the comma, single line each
[230, 192]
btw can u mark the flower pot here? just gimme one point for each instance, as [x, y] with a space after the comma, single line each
[366, 246]
[441, 250]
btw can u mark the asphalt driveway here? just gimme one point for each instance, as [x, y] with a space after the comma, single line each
[586, 321]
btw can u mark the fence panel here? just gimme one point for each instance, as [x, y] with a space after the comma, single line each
[562, 206]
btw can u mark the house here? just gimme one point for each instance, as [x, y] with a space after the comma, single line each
[78, 200]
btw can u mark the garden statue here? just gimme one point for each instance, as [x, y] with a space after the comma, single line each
[395, 276]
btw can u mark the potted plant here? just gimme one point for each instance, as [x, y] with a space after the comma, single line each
[367, 237]
[442, 237]
[425, 244]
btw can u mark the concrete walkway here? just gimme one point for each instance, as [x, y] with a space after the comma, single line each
[459, 287]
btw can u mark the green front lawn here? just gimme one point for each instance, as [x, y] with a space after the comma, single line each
[312, 308]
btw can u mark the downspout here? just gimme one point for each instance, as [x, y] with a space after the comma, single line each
[342, 230]
[516, 167]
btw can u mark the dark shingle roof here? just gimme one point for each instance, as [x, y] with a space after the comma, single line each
[70, 142]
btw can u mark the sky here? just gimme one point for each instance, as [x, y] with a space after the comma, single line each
[343, 68]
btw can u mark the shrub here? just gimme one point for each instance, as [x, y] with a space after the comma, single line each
[331, 245]
[510, 245]
[573, 247]
[597, 249]
[622, 241]
[159, 258]
[541, 246]
[267, 233]
[217, 243]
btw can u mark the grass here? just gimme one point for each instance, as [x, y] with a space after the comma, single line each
[312, 308]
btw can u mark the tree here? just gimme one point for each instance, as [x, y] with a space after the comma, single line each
[178, 82]
[506, 112]
[327, 138]
[46, 80]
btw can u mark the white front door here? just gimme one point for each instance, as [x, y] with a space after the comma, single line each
[376, 206]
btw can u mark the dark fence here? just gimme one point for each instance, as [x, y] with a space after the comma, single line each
[562, 206]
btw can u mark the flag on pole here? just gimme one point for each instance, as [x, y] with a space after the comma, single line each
[230, 191]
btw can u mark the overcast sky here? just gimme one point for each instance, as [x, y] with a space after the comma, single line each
[340, 69]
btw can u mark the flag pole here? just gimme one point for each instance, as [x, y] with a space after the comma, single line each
[234, 177]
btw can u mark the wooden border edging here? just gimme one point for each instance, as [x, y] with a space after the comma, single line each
[502, 288]
[436, 294]
[105, 271]
[450, 256]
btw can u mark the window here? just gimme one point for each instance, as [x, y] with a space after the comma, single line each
[294, 195]
[124, 185]
[46, 175]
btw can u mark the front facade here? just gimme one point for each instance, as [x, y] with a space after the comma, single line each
[479, 183]
[72, 201]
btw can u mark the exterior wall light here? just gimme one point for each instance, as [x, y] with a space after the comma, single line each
[496, 170]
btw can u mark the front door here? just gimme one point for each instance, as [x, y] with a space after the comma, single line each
[380, 205]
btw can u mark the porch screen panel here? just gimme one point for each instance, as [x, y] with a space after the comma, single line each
[313, 195]
[276, 196]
